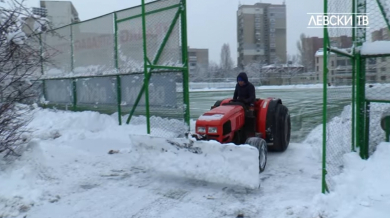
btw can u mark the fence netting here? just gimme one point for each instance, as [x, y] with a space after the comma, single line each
[356, 84]
[99, 65]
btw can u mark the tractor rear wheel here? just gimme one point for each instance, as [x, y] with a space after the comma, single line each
[282, 129]
[261, 146]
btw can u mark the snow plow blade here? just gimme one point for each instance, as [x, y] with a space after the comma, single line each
[209, 161]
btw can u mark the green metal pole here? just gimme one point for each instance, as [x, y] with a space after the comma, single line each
[146, 82]
[353, 76]
[367, 130]
[118, 78]
[184, 43]
[74, 85]
[358, 101]
[325, 101]
[71, 49]
[365, 136]
[44, 90]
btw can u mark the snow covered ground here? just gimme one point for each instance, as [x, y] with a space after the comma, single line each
[66, 171]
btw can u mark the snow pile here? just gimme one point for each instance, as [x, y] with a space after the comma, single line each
[204, 160]
[68, 171]
[362, 189]
[17, 37]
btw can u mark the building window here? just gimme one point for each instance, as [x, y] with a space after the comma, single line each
[383, 78]
[332, 72]
[340, 62]
[372, 61]
[318, 68]
[192, 64]
[272, 30]
[318, 60]
[383, 69]
[332, 63]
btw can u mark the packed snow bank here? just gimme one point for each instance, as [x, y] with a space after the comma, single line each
[361, 190]
[203, 160]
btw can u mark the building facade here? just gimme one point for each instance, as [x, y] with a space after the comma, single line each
[382, 34]
[340, 69]
[261, 34]
[312, 44]
[60, 13]
[198, 61]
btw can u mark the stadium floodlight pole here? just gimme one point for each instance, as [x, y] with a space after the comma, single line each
[146, 82]
[325, 100]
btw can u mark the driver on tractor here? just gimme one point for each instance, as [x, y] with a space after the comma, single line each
[245, 91]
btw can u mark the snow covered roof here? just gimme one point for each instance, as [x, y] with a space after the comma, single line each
[375, 48]
[320, 52]
[282, 65]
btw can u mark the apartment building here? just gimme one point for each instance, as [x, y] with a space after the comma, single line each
[60, 13]
[198, 60]
[261, 34]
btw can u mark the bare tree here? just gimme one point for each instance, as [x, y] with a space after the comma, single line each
[21, 59]
[305, 56]
[293, 59]
[226, 59]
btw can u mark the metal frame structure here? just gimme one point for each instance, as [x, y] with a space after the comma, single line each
[150, 66]
[361, 105]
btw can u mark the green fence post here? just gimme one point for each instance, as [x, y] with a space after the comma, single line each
[358, 101]
[367, 130]
[184, 43]
[44, 91]
[146, 81]
[325, 101]
[353, 62]
[74, 85]
[71, 49]
[118, 78]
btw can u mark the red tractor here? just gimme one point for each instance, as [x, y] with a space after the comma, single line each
[265, 125]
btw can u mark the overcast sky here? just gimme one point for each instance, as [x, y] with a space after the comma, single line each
[213, 22]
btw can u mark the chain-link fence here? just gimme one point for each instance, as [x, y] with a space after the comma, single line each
[356, 79]
[133, 62]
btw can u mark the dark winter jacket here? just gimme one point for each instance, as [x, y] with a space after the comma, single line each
[247, 92]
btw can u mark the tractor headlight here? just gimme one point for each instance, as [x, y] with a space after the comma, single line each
[202, 129]
[213, 130]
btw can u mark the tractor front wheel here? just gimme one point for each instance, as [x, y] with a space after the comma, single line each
[261, 146]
